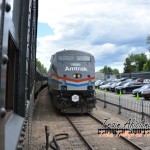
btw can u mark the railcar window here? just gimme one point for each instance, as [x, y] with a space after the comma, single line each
[65, 58]
[83, 58]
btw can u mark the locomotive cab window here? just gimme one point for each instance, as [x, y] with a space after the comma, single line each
[66, 58]
[83, 58]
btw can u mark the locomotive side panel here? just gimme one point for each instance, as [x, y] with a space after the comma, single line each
[53, 83]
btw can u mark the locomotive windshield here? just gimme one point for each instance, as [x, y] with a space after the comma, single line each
[66, 58]
[72, 58]
[83, 58]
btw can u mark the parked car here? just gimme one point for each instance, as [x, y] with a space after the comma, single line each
[129, 87]
[146, 81]
[139, 79]
[103, 83]
[124, 79]
[113, 86]
[139, 90]
[97, 83]
[106, 86]
[146, 93]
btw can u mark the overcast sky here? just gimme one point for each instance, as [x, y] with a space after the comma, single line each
[109, 29]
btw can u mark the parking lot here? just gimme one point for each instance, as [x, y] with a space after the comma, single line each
[125, 104]
[125, 96]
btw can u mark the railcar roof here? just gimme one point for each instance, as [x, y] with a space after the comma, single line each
[72, 52]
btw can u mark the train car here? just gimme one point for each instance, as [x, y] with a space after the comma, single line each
[40, 81]
[135, 75]
[71, 81]
[18, 32]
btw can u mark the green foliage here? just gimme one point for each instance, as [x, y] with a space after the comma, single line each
[148, 42]
[127, 66]
[115, 71]
[134, 62]
[137, 62]
[41, 66]
[146, 66]
[109, 70]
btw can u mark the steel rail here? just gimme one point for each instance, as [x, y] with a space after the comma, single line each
[130, 142]
[83, 138]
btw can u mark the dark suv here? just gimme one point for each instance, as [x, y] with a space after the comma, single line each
[128, 87]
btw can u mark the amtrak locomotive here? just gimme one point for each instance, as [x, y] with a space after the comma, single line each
[71, 81]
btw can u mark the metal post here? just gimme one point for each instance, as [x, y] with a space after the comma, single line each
[104, 100]
[119, 112]
[142, 119]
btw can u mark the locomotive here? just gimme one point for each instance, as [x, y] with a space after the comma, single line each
[71, 81]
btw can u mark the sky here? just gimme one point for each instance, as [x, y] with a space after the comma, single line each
[108, 29]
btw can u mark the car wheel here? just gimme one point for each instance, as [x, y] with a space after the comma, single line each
[124, 91]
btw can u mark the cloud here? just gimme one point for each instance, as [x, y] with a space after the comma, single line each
[110, 30]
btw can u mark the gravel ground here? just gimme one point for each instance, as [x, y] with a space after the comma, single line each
[45, 114]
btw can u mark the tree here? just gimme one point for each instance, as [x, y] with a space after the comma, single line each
[134, 62]
[148, 42]
[115, 71]
[146, 66]
[109, 70]
[41, 66]
[127, 66]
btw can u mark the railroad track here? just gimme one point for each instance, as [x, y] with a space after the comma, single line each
[79, 125]
[87, 128]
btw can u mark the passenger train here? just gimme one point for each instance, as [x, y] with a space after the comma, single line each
[71, 81]
[20, 79]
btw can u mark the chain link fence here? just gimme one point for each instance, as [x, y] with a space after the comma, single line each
[125, 105]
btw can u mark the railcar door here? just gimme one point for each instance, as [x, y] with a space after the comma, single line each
[12, 77]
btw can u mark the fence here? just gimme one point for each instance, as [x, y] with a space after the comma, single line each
[125, 105]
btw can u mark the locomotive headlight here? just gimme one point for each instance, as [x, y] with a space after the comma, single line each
[74, 75]
[64, 82]
[78, 75]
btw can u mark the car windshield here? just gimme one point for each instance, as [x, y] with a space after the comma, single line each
[128, 83]
[145, 86]
[119, 83]
[114, 84]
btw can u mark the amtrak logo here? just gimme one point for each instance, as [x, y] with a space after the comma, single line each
[76, 69]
